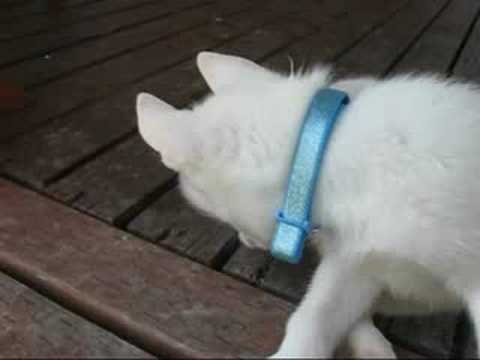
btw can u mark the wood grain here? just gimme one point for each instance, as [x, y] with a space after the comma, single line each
[165, 304]
[35, 327]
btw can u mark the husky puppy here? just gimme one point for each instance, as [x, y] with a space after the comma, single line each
[397, 203]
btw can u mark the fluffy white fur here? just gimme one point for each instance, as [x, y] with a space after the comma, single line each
[397, 204]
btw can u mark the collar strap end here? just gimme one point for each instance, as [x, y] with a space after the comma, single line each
[288, 242]
[302, 225]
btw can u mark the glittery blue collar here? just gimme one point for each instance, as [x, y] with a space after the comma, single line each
[293, 220]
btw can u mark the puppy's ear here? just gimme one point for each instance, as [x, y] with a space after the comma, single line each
[167, 130]
[222, 71]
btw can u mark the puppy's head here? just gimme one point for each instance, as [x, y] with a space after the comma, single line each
[232, 150]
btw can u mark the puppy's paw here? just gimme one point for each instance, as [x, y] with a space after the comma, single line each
[374, 352]
[367, 342]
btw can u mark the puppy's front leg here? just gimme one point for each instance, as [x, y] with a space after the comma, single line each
[338, 296]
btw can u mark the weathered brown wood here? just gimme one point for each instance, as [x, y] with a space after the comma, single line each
[377, 53]
[60, 16]
[8, 4]
[23, 8]
[171, 222]
[66, 94]
[37, 70]
[114, 182]
[267, 40]
[468, 64]
[42, 154]
[337, 33]
[35, 327]
[166, 304]
[436, 49]
[46, 43]
[247, 264]
[290, 280]
[12, 97]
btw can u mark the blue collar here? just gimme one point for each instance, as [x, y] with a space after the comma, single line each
[294, 218]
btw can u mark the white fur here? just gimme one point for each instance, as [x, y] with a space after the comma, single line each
[398, 200]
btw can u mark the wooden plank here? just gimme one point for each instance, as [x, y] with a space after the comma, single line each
[58, 17]
[436, 49]
[337, 34]
[7, 4]
[35, 327]
[166, 304]
[41, 155]
[17, 8]
[115, 182]
[45, 154]
[23, 8]
[59, 97]
[171, 222]
[387, 43]
[289, 280]
[247, 264]
[46, 43]
[37, 70]
[468, 64]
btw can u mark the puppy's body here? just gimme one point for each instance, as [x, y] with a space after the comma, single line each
[397, 204]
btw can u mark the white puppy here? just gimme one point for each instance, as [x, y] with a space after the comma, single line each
[397, 202]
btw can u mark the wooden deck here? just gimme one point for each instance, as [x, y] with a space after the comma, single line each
[99, 255]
